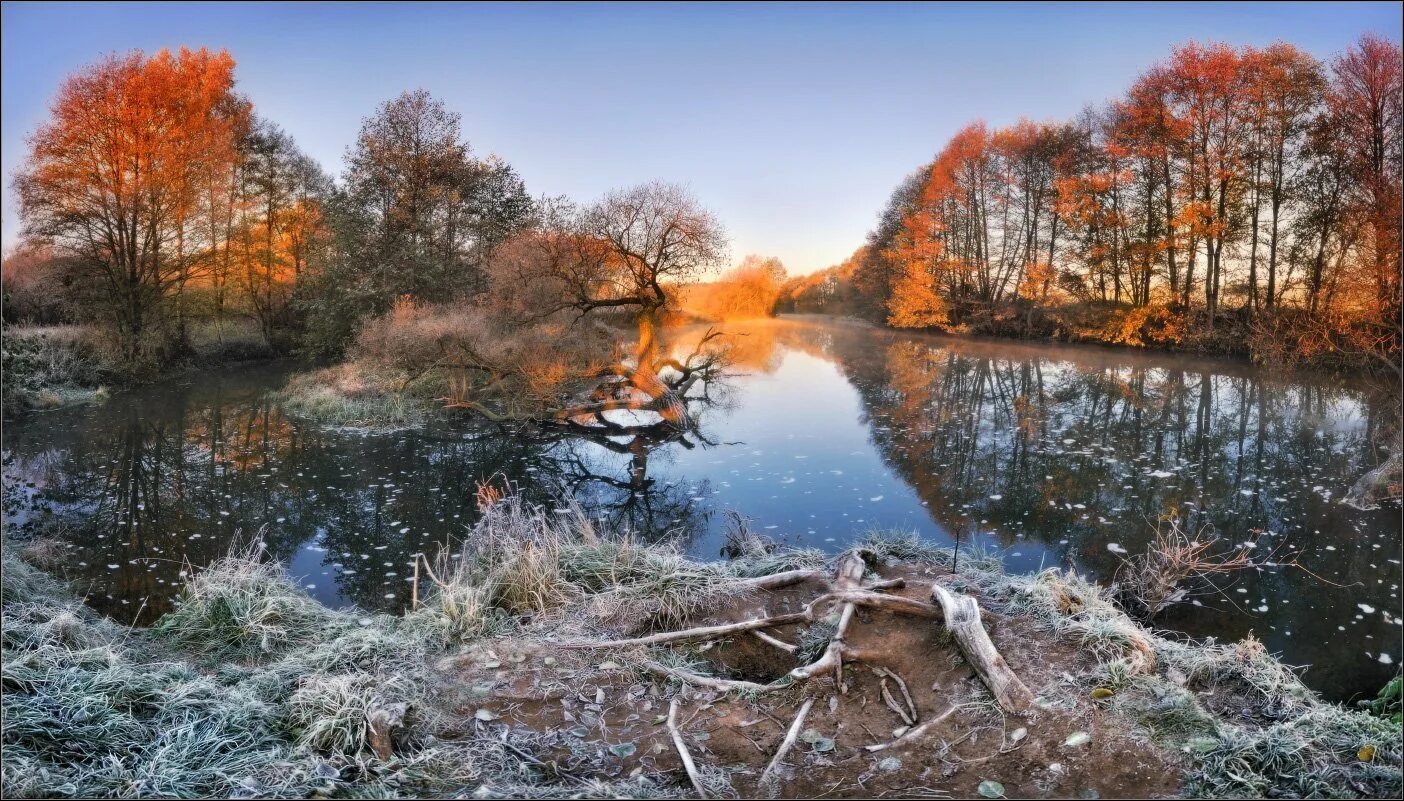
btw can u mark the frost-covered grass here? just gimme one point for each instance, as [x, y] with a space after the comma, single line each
[252, 689]
[350, 395]
[51, 366]
[1250, 727]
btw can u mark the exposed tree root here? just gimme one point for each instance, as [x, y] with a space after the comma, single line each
[686, 755]
[846, 592]
[789, 742]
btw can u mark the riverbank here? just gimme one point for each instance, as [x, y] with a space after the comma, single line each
[251, 689]
[57, 366]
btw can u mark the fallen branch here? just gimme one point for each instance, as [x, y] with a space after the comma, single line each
[887, 673]
[701, 632]
[778, 643]
[775, 581]
[715, 683]
[678, 743]
[907, 719]
[912, 734]
[962, 614]
[789, 742]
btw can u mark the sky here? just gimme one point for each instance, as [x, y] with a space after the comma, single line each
[792, 122]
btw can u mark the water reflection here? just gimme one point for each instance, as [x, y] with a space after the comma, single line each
[1048, 455]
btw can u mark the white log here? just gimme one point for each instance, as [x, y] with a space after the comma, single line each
[962, 614]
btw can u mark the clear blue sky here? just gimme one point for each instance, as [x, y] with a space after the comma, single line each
[792, 122]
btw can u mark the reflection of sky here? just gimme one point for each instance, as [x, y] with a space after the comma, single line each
[800, 467]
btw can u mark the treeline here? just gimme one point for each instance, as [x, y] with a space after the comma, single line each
[1233, 199]
[155, 198]
[748, 290]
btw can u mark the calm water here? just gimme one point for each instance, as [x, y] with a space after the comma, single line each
[1047, 455]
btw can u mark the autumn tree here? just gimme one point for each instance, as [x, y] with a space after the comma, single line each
[1228, 183]
[1365, 107]
[113, 179]
[281, 227]
[418, 215]
[750, 289]
[624, 258]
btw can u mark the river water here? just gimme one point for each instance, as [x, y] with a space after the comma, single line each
[1045, 455]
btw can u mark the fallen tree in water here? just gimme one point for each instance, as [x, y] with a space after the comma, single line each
[545, 659]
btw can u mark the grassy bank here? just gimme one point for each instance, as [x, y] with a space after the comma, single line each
[252, 689]
[355, 395]
[49, 367]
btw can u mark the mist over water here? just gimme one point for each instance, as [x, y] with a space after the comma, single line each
[1046, 455]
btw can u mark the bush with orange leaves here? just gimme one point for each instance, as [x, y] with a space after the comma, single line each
[1156, 325]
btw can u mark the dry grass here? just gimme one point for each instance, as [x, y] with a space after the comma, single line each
[1175, 565]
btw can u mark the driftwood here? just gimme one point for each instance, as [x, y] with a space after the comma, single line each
[962, 614]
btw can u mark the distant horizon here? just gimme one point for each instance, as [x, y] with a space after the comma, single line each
[764, 111]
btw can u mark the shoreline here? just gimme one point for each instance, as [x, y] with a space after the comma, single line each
[251, 687]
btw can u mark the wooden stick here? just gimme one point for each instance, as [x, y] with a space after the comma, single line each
[695, 633]
[778, 643]
[789, 742]
[892, 703]
[963, 620]
[689, 677]
[682, 749]
[912, 734]
[906, 694]
[414, 588]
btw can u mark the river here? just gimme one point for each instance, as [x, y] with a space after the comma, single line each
[1045, 455]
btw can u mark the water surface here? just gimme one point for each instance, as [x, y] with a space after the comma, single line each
[1046, 455]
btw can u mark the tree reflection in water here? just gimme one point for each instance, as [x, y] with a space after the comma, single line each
[1051, 456]
[142, 489]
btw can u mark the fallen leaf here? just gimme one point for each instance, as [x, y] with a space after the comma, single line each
[1077, 738]
[990, 789]
[1366, 753]
[623, 749]
[485, 715]
[1102, 692]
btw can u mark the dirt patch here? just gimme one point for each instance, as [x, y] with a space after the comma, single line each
[591, 716]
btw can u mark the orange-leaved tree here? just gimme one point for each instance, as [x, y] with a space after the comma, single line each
[113, 181]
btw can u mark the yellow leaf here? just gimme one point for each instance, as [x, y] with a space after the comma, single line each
[1366, 753]
[1102, 692]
